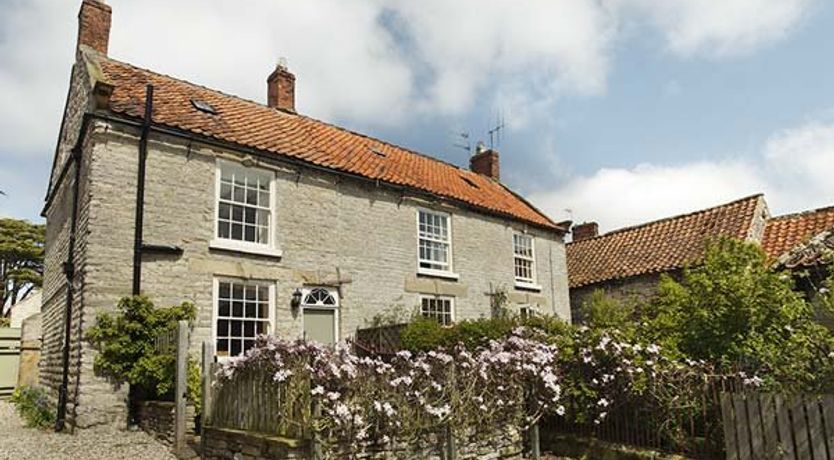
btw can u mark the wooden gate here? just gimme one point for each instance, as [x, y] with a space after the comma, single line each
[771, 426]
[9, 359]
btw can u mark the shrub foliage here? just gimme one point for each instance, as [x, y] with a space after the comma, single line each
[127, 353]
[33, 406]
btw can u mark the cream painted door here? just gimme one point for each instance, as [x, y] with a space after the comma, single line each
[320, 325]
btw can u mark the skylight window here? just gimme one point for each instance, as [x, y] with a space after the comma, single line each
[470, 182]
[377, 150]
[203, 106]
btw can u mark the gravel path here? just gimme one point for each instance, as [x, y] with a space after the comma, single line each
[20, 443]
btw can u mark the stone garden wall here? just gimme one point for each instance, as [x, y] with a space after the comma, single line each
[157, 419]
[223, 444]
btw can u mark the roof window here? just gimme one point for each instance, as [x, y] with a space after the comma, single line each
[203, 106]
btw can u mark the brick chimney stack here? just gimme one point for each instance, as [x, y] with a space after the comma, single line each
[94, 25]
[485, 161]
[585, 231]
[280, 87]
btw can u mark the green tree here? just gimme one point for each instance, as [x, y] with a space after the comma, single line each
[21, 260]
[735, 311]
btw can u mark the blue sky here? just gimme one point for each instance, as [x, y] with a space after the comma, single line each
[619, 110]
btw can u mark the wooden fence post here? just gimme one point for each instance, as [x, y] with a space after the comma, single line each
[451, 444]
[535, 448]
[315, 442]
[207, 394]
[181, 387]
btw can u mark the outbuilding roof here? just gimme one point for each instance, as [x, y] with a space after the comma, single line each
[658, 246]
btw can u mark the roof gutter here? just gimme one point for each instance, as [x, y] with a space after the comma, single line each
[137, 122]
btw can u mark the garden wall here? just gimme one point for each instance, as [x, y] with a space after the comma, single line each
[222, 444]
[157, 419]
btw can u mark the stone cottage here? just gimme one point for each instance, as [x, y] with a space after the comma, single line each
[627, 263]
[268, 220]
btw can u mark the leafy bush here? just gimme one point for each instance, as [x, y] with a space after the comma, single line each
[33, 406]
[426, 334]
[127, 352]
[735, 311]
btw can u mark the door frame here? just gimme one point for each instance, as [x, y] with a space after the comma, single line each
[334, 308]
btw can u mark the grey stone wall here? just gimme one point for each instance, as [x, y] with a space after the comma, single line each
[233, 444]
[632, 289]
[157, 419]
[335, 231]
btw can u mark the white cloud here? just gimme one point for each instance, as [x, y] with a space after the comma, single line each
[793, 169]
[719, 28]
[435, 58]
[349, 62]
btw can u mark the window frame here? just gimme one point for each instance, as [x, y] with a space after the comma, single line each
[525, 283]
[334, 291]
[215, 312]
[452, 306]
[270, 248]
[449, 272]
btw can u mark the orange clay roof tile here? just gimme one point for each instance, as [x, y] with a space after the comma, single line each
[784, 233]
[253, 125]
[657, 246]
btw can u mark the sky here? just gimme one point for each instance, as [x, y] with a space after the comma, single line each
[614, 111]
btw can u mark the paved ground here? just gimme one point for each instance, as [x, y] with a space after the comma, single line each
[20, 443]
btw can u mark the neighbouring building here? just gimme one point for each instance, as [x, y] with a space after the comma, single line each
[268, 220]
[627, 263]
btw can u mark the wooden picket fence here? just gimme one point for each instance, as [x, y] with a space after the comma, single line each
[253, 401]
[380, 340]
[766, 426]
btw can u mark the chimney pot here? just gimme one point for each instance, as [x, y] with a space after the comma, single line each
[585, 231]
[280, 87]
[485, 162]
[94, 25]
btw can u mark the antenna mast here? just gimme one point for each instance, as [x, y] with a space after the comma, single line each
[495, 133]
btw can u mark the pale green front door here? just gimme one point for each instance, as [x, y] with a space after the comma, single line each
[320, 325]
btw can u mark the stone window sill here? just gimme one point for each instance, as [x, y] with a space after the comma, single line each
[528, 286]
[246, 248]
[438, 273]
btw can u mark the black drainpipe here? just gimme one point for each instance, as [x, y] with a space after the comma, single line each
[69, 272]
[140, 191]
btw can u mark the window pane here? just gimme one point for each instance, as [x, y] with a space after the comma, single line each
[236, 329]
[239, 194]
[252, 196]
[224, 290]
[222, 328]
[225, 211]
[250, 310]
[222, 346]
[247, 344]
[262, 327]
[237, 309]
[237, 213]
[237, 291]
[225, 191]
[249, 329]
[223, 309]
[237, 231]
[236, 347]
[249, 216]
[223, 229]
[263, 200]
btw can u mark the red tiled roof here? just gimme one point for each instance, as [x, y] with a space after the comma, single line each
[784, 233]
[257, 126]
[658, 246]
